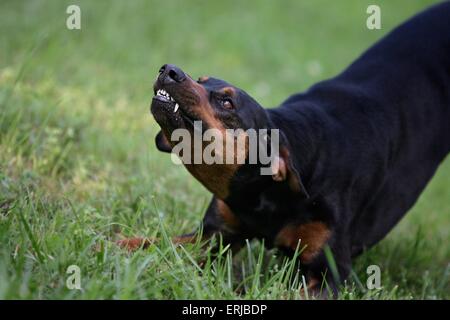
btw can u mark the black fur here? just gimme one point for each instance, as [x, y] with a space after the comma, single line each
[365, 144]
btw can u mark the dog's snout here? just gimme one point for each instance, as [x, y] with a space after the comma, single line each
[170, 73]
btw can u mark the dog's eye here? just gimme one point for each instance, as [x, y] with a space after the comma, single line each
[227, 103]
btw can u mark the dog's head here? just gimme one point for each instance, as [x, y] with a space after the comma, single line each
[183, 103]
[179, 101]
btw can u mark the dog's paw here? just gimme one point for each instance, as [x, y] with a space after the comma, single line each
[133, 244]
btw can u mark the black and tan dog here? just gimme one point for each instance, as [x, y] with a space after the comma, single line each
[356, 151]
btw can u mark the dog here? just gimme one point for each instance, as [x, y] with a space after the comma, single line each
[355, 151]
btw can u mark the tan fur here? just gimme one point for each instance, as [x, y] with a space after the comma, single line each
[203, 79]
[133, 244]
[313, 235]
[216, 177]
[229, 91]
[231, 222]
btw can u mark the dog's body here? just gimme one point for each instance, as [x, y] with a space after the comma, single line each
[368, 141]
[356, 151]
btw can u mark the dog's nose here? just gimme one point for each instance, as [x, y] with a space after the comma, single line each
[170, 73]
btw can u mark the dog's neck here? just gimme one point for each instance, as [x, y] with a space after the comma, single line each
[304, 133]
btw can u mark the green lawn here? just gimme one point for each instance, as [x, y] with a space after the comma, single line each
[78, 165]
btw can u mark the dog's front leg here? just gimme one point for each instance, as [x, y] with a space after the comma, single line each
[136, 243]
[218, 221]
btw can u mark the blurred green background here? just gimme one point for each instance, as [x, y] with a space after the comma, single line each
[78, 164]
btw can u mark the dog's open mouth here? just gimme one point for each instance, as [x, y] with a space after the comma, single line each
[164, 96]
[172, 107]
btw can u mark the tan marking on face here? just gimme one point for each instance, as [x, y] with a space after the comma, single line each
[231, 222]
[217, 177]
[313, 235]
[229, 91]
[204, 110]
[203, 79]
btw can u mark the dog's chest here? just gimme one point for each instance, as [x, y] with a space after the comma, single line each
[264, 217]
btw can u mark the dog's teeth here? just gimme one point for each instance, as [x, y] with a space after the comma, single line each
[164, 93]
[176, 107]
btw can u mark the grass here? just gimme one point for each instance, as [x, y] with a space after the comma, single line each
[78, 164]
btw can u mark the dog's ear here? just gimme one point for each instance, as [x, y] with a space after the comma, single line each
[162, 143]
[284, 170]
